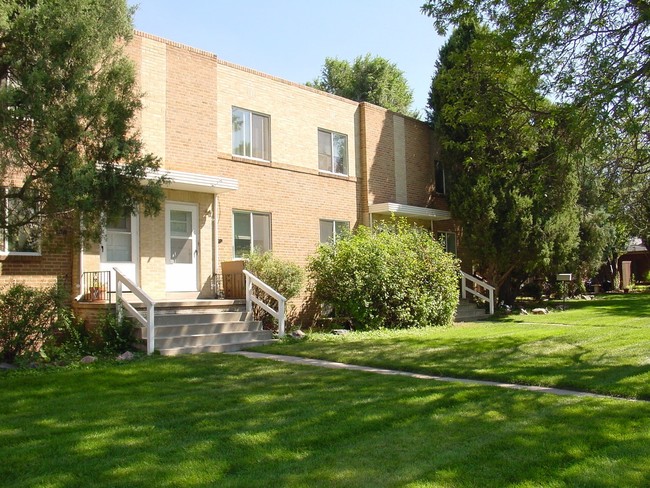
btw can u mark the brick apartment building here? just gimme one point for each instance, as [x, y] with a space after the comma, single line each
[253, 161]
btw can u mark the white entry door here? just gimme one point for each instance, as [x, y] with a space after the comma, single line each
[119, 247]
[181, 246]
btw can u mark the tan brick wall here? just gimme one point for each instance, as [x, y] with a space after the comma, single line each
[399, 156]
[296, 113]
[52, 266]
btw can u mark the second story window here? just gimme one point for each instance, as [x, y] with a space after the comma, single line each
[332, 152]
[251, 134]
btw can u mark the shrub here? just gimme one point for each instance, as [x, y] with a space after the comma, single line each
[283, 276]
[395, 276]
[27, 316]
[533, 289]
[112, 336]
[68, 339]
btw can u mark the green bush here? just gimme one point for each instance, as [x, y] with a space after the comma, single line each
[533, 289]
[113, 337]
[27, 317]
[283, 276]
[395, 276]
[68, 339]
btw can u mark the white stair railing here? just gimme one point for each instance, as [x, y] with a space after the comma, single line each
[487, 287]
[279, 314]
[120, 304]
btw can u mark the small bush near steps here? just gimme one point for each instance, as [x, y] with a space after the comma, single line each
[283, 276]
[36, 326]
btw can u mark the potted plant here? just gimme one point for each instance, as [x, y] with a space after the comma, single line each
[97, 290]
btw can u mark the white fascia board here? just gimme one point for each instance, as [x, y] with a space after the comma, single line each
[411, 211]
[180, 180]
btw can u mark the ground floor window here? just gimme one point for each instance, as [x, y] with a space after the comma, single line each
[252, 231]
[331, 229]
[19, 232]
[448, 241]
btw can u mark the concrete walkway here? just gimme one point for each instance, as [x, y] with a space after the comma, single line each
[368, 369]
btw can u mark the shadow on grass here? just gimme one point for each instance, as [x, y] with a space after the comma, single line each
[612, 363]
[230, 421]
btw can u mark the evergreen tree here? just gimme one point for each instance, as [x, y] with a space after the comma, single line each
[507, 151]
[67, 103]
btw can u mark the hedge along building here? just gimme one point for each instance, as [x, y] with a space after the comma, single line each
[253, 161]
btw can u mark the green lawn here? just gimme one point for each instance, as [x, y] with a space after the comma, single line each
[215, 420]
[601, 346]
[218, 420]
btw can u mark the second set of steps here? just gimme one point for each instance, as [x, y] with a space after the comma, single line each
[470, 311]
[196, 326]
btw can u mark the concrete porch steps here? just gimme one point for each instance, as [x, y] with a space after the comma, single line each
[196, 326]
[469, 311]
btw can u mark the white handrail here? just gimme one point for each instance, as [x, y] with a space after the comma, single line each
[278, 314]
[120, 280]
[490, 289]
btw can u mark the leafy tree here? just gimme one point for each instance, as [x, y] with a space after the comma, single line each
[367, 79]
[393, 276]
[594, 57]
[67, 103]
[513, 182]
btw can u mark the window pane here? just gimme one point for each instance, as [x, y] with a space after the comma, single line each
[120, 223]
[25, 238]
[341, 227]
[180, 223]
[242, 223]
[326, 231]
[261, 137]
[261, 232]
[324, 151]
[451, 242]
[340, 154]
[181, 250]
[240, 132]
[118, 247]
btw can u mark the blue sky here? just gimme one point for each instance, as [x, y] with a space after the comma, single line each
[292, 38]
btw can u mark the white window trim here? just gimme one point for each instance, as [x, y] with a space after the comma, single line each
[347, 159]
[252, 238]
[250, 114]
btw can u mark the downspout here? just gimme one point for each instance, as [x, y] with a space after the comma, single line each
[81, 261]
[215, 234]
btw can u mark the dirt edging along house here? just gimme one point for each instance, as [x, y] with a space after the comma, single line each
[254, 161]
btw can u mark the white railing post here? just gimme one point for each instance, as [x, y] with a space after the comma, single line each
[463, 286]
[489, 288]
[281, 318]
[118, 301]
[150, 329]
[249, 293]
[278, 314]
[122, 305]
